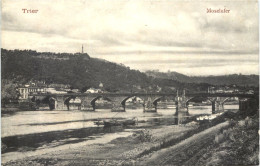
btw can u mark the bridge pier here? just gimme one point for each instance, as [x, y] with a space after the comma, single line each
[118, 103]
[88, 103]
[181, 110]
[60, 103]
[181, 104]
[149, 108]
[249, 105]
[243, 105]
[217, 104]
[150, 103]
[213, 105]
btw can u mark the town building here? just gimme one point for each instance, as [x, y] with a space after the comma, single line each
[27, 90]
[225, 89]
[37, 89]
[54, 91]
[93, 90]
[24, 93]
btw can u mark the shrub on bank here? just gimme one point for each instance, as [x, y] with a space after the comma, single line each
[144, 136]
[242, 140]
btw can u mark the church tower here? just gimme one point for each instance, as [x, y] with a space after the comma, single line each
[82, 49]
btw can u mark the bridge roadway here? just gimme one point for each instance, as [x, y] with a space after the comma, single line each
[87, 100]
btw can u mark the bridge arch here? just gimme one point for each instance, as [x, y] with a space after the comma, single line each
[187, 102]
[40, 101]
[93, 101]
[156, 100]
[123, 102]
[139, 101]
[67, 100]
[227, 99]
[192, 98]
[69, 103]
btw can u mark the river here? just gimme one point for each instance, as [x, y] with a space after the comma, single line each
[36, 132]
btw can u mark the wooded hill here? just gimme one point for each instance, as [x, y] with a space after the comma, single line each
[240, 80]
[21, 66]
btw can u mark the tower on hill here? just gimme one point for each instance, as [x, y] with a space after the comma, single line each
[82, 54]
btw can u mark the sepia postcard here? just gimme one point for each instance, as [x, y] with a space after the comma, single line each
[129, 82]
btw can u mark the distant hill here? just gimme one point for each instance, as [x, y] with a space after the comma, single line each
[241, 80]
[82, 72]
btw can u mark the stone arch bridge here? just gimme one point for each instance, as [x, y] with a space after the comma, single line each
[118, 100]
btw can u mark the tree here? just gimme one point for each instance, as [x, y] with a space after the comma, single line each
[84, 89]
[8, 92]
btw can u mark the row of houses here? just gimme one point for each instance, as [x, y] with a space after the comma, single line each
[227, 89]
[27, 90]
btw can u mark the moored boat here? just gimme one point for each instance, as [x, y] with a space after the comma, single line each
[115, 122]
[111, 123]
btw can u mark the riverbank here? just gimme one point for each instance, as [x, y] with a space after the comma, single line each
[233, 142]
[138, 147]
[236, 145]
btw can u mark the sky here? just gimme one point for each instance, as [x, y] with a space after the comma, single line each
[165, 35]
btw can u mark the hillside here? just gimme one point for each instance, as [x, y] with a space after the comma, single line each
[23, 66]
[241, 80]
[80, 72]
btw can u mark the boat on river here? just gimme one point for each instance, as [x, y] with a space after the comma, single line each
[117, 122]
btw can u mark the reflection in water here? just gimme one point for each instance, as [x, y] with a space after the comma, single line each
[181, 117]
